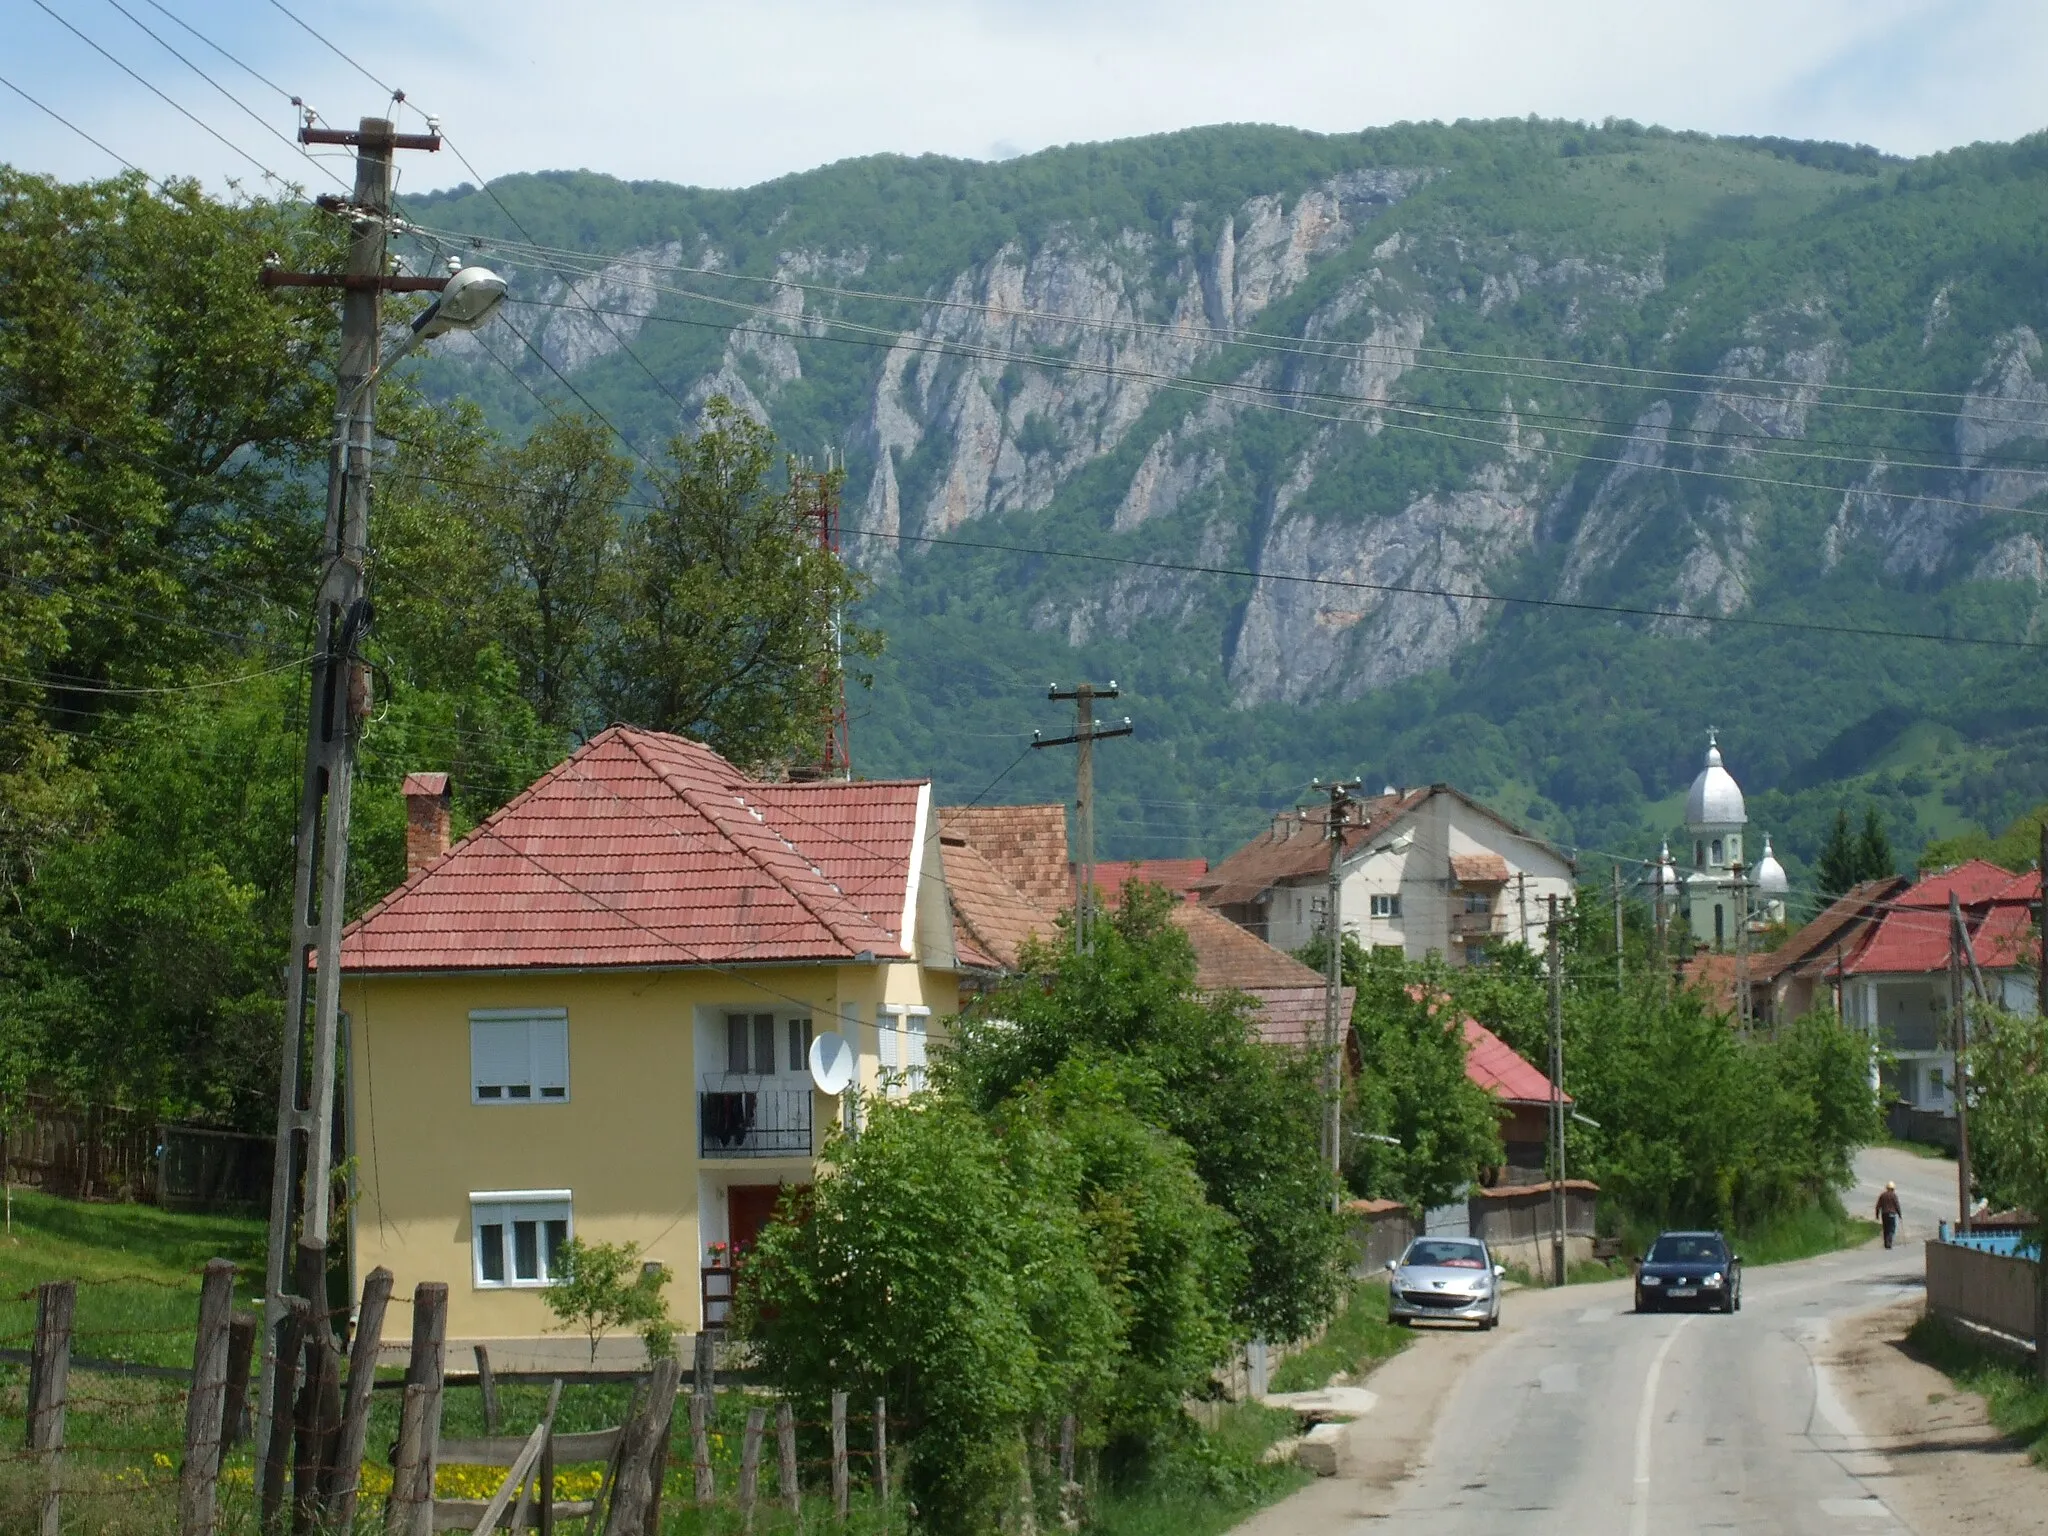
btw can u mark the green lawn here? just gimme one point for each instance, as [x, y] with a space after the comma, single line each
[1209, 1482]
[2016, 1400]
[1358, 1338]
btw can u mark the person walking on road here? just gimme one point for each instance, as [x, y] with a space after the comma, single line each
[1888, 1212]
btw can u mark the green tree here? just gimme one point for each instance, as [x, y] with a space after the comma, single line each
[728, 623]
[2008, 1064]
[1849, 857]
[945, 1264]
[1421, 1130]
[1248, 1112]
[599, 1288]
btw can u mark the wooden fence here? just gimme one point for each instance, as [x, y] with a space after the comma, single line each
[1986, 1290]
[103, 1152]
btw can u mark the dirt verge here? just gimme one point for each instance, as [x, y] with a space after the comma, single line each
[1946, 1467]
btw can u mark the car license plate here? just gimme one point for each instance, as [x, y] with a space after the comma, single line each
[1683, 1290]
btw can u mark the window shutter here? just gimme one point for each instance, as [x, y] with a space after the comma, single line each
[736, 1036]
[799, 1045]
[551, 1058]
[913, 1049]
[498, 1057]
[885, 1038]
[764, 1043]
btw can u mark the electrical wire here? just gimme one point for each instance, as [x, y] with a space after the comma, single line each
[55, 682]
[333, 49]
[268, 173]
[1260, 340]
[246, 109]
[52, 112]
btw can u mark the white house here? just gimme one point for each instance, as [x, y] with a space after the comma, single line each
[1427, 869]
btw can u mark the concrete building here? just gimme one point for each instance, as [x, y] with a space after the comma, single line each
[1429, 870]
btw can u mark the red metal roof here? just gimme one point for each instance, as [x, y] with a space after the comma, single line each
[1978, 880]
[1501, 1070]
[648, 849]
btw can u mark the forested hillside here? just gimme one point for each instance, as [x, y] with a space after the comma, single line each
[1650, 374]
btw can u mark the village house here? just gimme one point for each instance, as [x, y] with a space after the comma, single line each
[1895, 984]
[1429, 870]
[591, 1017]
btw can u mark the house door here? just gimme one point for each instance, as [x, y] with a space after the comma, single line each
[749, 1208]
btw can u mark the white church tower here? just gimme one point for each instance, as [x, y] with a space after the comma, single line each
[1715, 817]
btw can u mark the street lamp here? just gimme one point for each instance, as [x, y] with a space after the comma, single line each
[472, 296]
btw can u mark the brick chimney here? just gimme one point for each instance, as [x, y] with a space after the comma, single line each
[426, 819]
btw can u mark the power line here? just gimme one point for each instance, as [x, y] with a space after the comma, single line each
[95, 143]
[268, 173]
[55, 682]
[247, 110]
[258, 75]
[331, 48]
[562, 379]
[1232, 336]
[1384, 413]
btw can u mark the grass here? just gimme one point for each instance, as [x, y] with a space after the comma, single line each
[1917, 1148]
[1358, 1338]
[2013, 1396]
[1209, 1482]
[1802, 1234]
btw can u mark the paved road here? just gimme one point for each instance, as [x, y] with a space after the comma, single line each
[1587, 1419]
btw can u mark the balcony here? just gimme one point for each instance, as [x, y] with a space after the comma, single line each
[1478, 925]
[754, 1122]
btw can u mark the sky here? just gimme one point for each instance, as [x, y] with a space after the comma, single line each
[736, 93]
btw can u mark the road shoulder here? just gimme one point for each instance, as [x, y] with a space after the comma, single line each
[1942, 1465]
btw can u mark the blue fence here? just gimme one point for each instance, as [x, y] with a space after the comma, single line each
[2010, 1245]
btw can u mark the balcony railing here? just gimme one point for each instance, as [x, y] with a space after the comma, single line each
[754, 1122]
[1478, 924]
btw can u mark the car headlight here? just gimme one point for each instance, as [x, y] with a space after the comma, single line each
[1651, 1279]
[1713, 1279]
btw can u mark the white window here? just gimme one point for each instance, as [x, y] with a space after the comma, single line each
[886, 1034]
[519, 1236]
[1386, 904]
[760, 1045]
[913, 1047]
[518, 1056]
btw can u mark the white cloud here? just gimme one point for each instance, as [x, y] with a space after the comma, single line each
[729, 95]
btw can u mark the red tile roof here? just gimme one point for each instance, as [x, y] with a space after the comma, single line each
[1479, 869]
[1298, 845]
[1177, 875]
[991, 917]
[1913, 938]
[648, 849]
[1027, 843]
[1840, 927]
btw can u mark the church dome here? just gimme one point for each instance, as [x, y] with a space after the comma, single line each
[1715, 799]
[1667, 877]
[1770, 874]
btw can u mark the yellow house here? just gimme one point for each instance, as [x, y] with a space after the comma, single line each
[593, 1015]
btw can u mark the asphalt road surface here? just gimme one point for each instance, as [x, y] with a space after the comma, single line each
[1585, 1418]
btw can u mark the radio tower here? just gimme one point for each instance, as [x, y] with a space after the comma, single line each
[821, 506]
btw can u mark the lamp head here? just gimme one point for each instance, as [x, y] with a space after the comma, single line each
[472, 296]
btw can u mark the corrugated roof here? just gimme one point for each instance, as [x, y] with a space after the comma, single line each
[1501, 1070]
[1026, 843]
[1914, 939]
[648, 849]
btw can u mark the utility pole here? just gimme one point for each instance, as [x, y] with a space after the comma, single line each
[1620, 968]
[2041, 1000]
[340, 703]
[1086, 734]
[1334, 1024]
[1522, 906]
[1742, 1007]
[1959, 1042]
[1557, 1208]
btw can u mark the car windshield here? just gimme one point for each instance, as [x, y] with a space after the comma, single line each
[1447, 1255]
[1687, 1250]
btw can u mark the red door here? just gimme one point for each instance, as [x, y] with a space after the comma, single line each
[748, 1208]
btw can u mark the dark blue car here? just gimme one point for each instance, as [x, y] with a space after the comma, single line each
[1689, 1270]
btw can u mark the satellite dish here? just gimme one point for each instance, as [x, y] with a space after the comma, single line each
[832, 1063]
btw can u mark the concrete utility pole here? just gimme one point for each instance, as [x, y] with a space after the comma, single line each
[1334, 1023]
[2041, 998]
[1742, 1008]
[340, 702]
[1620, 965]
[1959, 1042]
[1522, 907]
[1557, 1206]
[1086, 734]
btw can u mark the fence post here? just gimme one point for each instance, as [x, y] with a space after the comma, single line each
[750, 1463]
[398, 1508]
[410, 1511]
[291, 1329]
[882, 1451]
[704, 1363]
[234, 1406]
[632, 1493]
[203, 1401]
[839, 1456]
[355, 1408]
[487, 1384]
[785, 1449]
[49, 1386]
[657, 1466]
[700, 1446]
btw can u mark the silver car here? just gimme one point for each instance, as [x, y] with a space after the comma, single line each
[1452, 1279]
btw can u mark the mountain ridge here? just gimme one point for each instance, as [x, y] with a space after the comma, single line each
[1614, 365]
